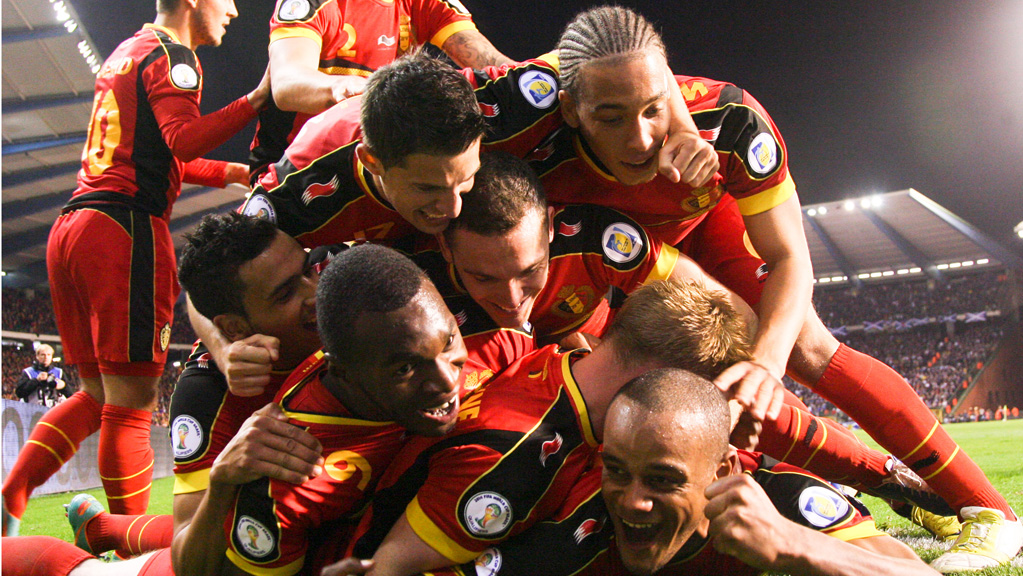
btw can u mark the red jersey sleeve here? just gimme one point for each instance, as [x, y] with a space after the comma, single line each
[204, 172]
[435, 21]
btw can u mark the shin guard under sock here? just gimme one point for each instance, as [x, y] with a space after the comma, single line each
[888, 409]
[125, 459]
[53, 441]
[129, 535]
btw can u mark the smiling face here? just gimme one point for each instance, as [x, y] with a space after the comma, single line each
[210, 21]
[655, 472]
[405, 365]
[280, 298]
[426, 189]
[621, 110]
[504, 272]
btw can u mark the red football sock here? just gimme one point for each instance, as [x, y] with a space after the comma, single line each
[129, 535]
[53, 441]
[823, 447]
[888, 409]
[126, 458]
[41, 556]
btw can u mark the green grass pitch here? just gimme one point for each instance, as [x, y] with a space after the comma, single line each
[996, 446]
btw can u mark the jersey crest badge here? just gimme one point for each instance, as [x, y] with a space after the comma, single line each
[260, 207]
[488, 563]
[539, 88]
[184, 76]
[762, 154]
[487, 514]
[588, 527]
[570, 229]
[318, 190]
[550, 448]
[822, 507]
[293, 10]
[621, 242]
[254, 538]
[573, 301]
[186, 436]
[165, 334]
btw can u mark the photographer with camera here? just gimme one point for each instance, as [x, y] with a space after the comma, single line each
[43, 383]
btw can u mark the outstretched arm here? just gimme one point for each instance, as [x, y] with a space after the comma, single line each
[471, 49]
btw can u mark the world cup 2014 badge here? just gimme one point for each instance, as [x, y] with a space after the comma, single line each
[487, 514]
[488, 563]
[254, 539]
[260, 206]
[292, 10]
[186, 436]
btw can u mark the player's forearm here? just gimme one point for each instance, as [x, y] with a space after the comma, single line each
[817, 554]
[199, 547]
[782, 311]
[299, 89]
[471, 49]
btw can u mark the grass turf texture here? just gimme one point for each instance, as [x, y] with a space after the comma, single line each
[997, 447]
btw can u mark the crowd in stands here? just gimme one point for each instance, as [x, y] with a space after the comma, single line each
[905, 300]
[28, 311]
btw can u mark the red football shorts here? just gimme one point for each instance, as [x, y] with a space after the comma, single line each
[113, 285]
[721, 247]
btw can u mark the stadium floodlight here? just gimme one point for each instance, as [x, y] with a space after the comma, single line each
[823, 210]
[811, 212]
[824, 280]
[865, 203]
[1019, 229]
[888, 273]
[968, 263]
[849, 205]
[942, 266]
[914, 270]
[877, 201]
[982, 261]
[838, 278]
[875, 274]
[902, 271]
[863, 276]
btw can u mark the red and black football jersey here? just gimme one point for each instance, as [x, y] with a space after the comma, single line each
[146, 91]
[268, 527]
[355, 38]
[320, 193]
[582, 534]
[522, 441]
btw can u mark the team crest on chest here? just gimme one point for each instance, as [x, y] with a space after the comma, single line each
[573, 301]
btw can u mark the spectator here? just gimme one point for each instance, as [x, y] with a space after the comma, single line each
[43, 383]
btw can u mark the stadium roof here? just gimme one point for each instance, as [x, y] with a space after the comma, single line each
[49, 66]
[898, 233]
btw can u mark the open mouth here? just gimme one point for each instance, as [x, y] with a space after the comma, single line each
[442, 412]
[644, 165]
[638, 534]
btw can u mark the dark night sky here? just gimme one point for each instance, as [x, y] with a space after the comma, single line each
[869, 96]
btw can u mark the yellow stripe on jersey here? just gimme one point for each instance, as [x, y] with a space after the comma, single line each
[865, 529]
[192, 481]
[552, 59]
[764, 201]
[296, 32]
[664, 266]
[577, 397]
[434, 536]
[450, 30]
[243, 564]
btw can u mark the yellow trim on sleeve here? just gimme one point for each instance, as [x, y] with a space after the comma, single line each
[665, 264]
[450, 30]
[553, 59]
[243, 564]
[865, 529]
[434, 536]
[764, 201]
[295, 32]
[192, 481]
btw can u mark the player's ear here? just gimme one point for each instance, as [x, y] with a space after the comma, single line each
[550, 224]
[232, 326]
[730, 464]
[369, 160]
[569, 108]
